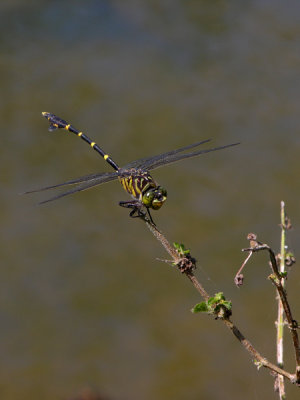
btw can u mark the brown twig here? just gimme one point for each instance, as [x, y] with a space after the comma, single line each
[277, 279]
[184, 262]
[279, 381]
[186, 265]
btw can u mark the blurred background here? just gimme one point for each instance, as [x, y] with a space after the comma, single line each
[84, 301]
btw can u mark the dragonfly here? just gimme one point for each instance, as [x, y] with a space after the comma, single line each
[135, 177]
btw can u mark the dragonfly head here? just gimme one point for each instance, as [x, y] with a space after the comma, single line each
[154, 197]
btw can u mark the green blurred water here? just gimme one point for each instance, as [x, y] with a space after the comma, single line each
[83, 300]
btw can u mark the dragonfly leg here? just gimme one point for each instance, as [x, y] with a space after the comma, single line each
[150, 217]
[137, 210]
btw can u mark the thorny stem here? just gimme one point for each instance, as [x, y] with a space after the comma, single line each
[179, 260]
[258, 358]
[276, 280]
[279, 382]
[162, 239]
[197, 285]
[285, 224]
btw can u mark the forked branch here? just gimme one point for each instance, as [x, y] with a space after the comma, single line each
[221, 309]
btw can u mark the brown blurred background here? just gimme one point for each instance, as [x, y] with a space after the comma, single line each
[83, 300]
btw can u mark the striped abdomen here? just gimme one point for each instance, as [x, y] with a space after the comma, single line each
[136, 182]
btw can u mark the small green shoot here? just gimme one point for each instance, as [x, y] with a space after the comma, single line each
[216, 305]
[182, 251]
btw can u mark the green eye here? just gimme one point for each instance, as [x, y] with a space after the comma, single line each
[155, 198]
[148, 198]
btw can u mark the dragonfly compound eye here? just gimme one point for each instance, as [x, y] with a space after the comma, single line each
[160, 196]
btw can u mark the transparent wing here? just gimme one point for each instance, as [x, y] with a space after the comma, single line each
[147, 163]
[144, 162]
[165, 160]
[82, 183]
[98, 178]
[83, 186]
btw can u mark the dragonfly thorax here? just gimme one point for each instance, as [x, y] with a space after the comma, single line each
[141, 186]
[154, 197]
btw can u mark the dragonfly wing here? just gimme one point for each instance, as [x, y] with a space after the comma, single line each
[158, 162]
[100, 177]
[84, 186]
[144, 162]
